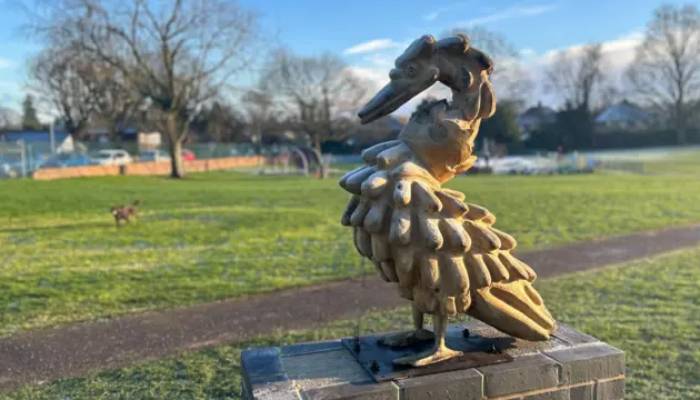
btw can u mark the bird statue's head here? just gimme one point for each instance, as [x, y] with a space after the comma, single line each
[415, 71]
[451, 61]
[441, 134]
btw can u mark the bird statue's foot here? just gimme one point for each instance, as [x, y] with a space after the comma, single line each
[432, 356]
[407, 339]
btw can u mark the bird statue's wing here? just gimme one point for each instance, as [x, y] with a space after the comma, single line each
[502, 291]
[443, 253]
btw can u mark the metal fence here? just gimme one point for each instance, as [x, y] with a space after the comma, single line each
[19, 159]
[22, 158]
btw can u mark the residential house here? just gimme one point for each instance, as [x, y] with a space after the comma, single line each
[624, 115]
[535, 118]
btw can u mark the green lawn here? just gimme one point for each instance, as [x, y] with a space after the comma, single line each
[683, 163]
[650, 309]
[668, 161]
[220, 235]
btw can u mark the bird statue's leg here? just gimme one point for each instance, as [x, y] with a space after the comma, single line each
[439, 352]
[406, 339]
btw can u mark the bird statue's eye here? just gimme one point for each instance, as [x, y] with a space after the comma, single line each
[411, 71]
[467, 78]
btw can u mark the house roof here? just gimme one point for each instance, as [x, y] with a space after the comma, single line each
[624, 111]
[537, 115]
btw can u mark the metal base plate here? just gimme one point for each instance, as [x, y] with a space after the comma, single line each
[378, 359]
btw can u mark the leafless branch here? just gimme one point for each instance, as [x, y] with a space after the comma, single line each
[666, 69]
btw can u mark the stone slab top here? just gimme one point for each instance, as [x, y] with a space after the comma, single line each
[571, 365]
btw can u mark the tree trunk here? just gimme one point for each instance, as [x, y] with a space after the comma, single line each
[317, 149]
[681, 136]
[679, 108]
[177, 167]
[317, 143]
[680, 128]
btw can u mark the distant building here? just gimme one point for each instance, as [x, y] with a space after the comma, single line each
[149, 140]
[101, 134]
[40, 140]
[535, 118]
[622, 116]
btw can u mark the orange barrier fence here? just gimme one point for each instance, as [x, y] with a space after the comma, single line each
[147, 168]
[76, 172]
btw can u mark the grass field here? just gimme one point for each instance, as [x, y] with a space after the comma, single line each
[659, 161]
[650, 309]
[222, 235]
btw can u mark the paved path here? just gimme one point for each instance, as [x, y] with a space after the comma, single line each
[44, 355]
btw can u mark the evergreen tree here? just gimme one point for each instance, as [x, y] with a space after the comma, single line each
[30, 121]
[503, 126]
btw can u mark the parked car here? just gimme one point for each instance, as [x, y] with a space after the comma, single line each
[188, 155]
[112, 157]
[8, 171]
[153, 155]
[523, 165]
[62, 160]
[513, 165]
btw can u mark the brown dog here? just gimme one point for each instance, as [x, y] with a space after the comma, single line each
[123, 213]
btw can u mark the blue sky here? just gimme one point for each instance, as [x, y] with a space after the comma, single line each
[368, 34]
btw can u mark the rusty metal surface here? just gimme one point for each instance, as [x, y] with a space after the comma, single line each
[478, 350]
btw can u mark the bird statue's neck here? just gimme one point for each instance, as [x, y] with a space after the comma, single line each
[441, 138]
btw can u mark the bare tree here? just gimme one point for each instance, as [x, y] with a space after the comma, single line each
[116, 101]
[492, 43]
[80, 87]
[577, 75]
[9, 119]
[177, 54]
[320, 93]
[65, 81]
[219, 122]
[666, 70]
[258, 106]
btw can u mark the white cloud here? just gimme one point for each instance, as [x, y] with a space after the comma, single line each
[621, 52]
[371, 46]
[5, 63]
[618, 54]
[435, 13]
[378, 76]
[516, 11]
[527, 52]
[432, 16]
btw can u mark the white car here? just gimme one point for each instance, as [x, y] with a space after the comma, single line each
[513, 165]
[112, 157]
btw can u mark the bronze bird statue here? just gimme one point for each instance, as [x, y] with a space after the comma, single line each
[444, 254]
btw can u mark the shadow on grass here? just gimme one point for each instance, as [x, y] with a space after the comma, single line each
[60, 227]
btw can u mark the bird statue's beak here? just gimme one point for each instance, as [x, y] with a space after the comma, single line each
[392, 96]
[385, 102]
